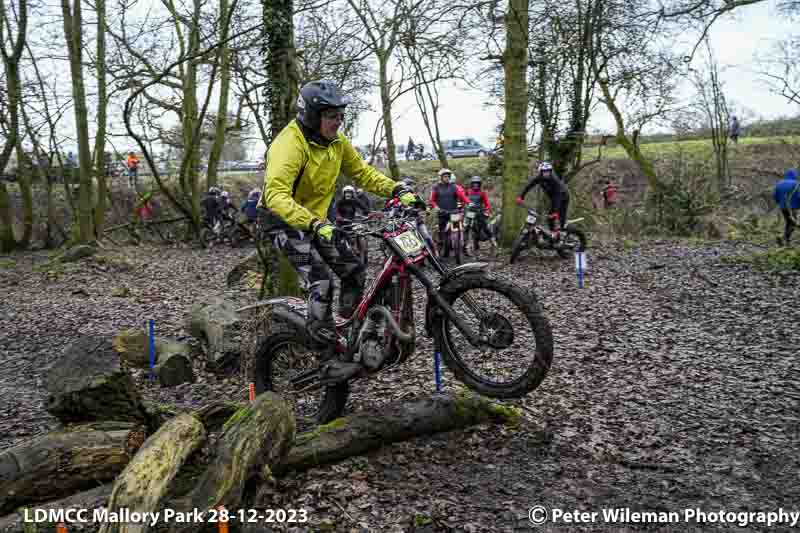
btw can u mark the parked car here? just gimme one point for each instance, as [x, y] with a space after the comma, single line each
[466, 147]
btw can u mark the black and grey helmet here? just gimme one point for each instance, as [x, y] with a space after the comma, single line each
[316, 96]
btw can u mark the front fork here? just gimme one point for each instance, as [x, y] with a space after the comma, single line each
[473, 338]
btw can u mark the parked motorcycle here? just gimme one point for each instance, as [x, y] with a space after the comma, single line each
[492, 334]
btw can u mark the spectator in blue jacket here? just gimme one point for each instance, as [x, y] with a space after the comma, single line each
[249, 206]
[787, 196]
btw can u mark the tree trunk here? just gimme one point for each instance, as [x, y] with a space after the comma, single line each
[222, 108]
[633, 150]
[14, 103]
[346, 437]
[515, 151]
[7, 241]
[65, 462]
[281, 94]
[253, 441]
[190, 119]
[102, 105]
[73, 32]
[386, 106]
[147, 478]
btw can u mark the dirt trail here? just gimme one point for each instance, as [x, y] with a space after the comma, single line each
[674, 386]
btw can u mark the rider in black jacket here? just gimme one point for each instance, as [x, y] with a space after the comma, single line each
[555, 189]
[350, 204]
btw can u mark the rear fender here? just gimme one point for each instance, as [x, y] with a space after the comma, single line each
[291, 310]
[451, 275]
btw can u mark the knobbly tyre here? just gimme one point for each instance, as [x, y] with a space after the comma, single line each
[479, 323]
[474, 232]
[570, 240]
[453, 238]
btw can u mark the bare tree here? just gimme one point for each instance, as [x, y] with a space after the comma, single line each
[713, 106]
[635, 77]
[73, 34]
[432, 44]
[11, 65]
[382, 24]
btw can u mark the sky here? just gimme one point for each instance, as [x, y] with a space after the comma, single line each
[736, 40]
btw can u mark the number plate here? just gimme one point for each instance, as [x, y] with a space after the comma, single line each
[531, 219]
[455, 217]
[471, 214]
[409, 242]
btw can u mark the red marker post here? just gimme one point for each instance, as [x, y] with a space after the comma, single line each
[222, 519]
[61, 528]
[252, 392]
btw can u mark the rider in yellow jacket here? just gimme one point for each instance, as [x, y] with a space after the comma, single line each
[303, 163]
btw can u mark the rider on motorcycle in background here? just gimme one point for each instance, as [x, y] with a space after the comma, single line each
[479, 200]
[556, 191]
[445, 197]
[348, 206]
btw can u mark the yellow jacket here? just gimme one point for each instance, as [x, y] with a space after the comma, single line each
[299, 200]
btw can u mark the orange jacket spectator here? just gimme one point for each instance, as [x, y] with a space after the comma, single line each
[132, 162]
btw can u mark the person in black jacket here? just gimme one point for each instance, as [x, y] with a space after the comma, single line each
[349, 205]
[555, 189]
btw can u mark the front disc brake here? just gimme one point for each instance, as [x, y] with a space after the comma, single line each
[498, 329]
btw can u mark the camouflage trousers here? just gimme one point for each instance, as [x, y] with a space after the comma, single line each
[315, 261]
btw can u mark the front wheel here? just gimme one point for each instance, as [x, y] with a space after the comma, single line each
[517, 350]
[283, 355]
[574, 241]
[458, 245]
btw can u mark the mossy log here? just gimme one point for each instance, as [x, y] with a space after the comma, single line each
[89, 384]
[214, 415]
[62, 463]
[133, 346]
[255, 438]
[146, 479]
[89, 499]
[369, 430]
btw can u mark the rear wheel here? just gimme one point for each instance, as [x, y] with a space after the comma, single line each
[574, 241]
[283, 355]
[518, 352]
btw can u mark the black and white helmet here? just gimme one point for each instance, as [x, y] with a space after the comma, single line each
[214, 191]
[315, 97]
[475, 179]
[348, 189]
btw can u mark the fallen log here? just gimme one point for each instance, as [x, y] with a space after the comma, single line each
[90, 499]
[255, 438]
[146, 479]
[216, 414]
[62, 463]
[88, 383]
[369, 430]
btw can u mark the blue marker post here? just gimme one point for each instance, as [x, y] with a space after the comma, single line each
[152, 350]
[437, 371]
[580, 266]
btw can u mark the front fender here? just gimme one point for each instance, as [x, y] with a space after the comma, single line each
[449, 276]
